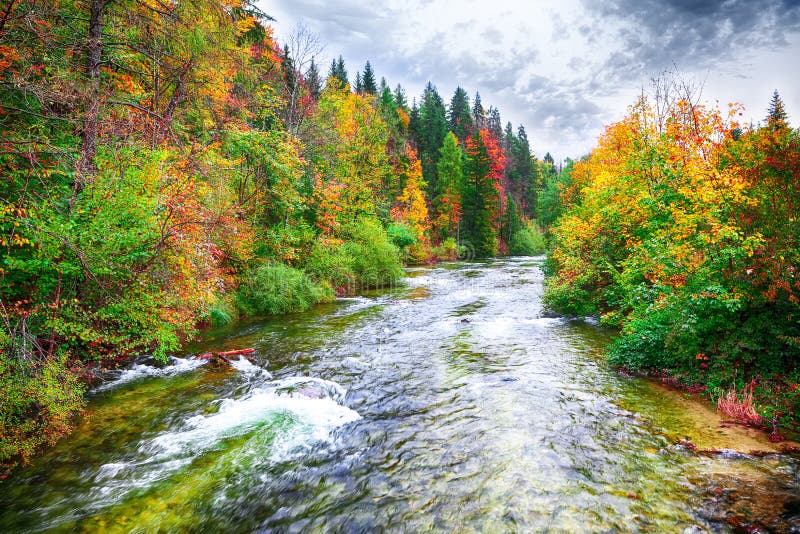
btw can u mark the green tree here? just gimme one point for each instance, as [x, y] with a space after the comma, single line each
[478, 113]
[313, 80]
[368, 80]
[430, 132]
[776, 115]
[400, 97]
[512, 223]
[339, 71]
[459, 115]
[480, 199]
[447, 201]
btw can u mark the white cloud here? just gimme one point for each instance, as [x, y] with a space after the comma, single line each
[563, 68]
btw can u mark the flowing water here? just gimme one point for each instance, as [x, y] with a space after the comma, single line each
[449, 404]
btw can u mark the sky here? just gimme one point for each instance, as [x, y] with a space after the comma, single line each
[566, 68]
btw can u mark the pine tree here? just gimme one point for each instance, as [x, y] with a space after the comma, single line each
[359, 88]
[512, 223]
[400, 97]
[447, 202]
[529, 173]
[460, 116]
[368, 80]
[333, 71]
[313, 80]
[413, 122]
[478, 114]
[480, 199]
[493, 123]
[341, 72]
[431, 132]
[287, 67]
[776, 116]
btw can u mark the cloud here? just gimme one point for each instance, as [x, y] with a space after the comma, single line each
[563, 68]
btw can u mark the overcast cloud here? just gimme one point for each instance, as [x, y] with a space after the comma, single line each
[563, 68]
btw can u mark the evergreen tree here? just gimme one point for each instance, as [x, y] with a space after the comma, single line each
[431, 132]
[479, 198]
[528, 173]
[549, 170]
[413, 123]
[460, 116]
[359, 88]
[368, 80]
[508, 137]
[512, 223]
[287, 67]
[341, 71]
[494, 124]
[313, 80]
[383, 86]
[332, 71]
[478, 114]
[447, 204]
[777, 112]
[400, 97]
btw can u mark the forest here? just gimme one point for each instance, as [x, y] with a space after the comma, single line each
[167, 167]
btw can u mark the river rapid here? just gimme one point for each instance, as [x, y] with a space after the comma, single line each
[452, 403]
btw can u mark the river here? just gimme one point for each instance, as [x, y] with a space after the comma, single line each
[451, 403]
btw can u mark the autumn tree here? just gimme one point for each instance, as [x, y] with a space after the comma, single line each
[350, 160]
[481, 193]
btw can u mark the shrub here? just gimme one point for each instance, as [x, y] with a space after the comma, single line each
[401, 235]
[528, 241]
[275, 288]
[39, 404]
[363, 258]
[447, 251]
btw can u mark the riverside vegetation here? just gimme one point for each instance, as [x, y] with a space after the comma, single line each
[681, 228]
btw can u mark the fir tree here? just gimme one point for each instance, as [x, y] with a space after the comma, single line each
[413, 122]
[478, 114]
[359, 88]
[777, 112]
[313, 80]
[479, 199]
[400, 97]
[493, 123]
[368, 80]
[447, 203]
[431, 132]
[512, 223]
[341, 71]
[460, 116]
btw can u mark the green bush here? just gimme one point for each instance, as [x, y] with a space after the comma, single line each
[275, 288]
[39, 404]
[366, 258]
[447, 251]
[401, 235]
[528, 241]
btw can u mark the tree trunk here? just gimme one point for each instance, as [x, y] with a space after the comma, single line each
[94, 55]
